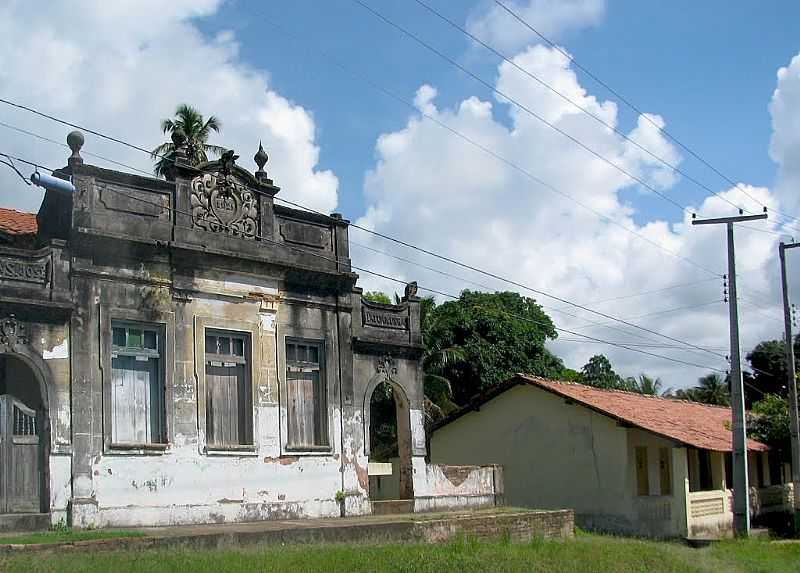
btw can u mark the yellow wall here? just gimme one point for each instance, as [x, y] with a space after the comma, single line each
[559, 455]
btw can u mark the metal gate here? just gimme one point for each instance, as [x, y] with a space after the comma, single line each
[20, 465]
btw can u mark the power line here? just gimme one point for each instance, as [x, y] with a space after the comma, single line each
[521, 106]
[394, 279]
[606, 325]
[581, 108]
[634, 107]
[90, 154]
[384, 236]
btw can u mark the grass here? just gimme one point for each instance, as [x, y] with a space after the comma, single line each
[587, 553]
[66, 536]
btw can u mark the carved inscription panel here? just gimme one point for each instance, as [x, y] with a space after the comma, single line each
[384, 319]
[25, 271]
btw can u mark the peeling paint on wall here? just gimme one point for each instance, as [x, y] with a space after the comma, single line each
[58, 351]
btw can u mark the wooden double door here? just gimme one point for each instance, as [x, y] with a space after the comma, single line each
[20, 457]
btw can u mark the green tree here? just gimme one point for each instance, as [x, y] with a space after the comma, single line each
[768, 422]
[377, 296]
[712, 389]
[644, 384]
[599, 373]
[570, 375]
[197, 130]
[768, 363]
[497, 334]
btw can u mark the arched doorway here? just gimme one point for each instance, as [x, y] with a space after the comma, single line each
[22, 438]
[389, 443]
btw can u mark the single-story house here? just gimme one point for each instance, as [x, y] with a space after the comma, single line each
[625, 462]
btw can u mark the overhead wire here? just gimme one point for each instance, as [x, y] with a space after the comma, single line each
[636, 109]
[674, 168]
[382, 235]
[523, 107]
[389, 277]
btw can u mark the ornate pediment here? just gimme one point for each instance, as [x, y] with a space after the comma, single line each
[222, 202]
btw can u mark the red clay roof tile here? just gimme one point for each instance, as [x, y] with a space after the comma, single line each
[17, 223]
[699, 425]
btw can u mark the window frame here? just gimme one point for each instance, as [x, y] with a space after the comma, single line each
[203, 324]
[642, 471]
[321, 346]
[164, 324]
[245, 360]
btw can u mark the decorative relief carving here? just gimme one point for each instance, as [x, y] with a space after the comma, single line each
[221, 204]
[25, 271]
[386, 367]
[13, 331]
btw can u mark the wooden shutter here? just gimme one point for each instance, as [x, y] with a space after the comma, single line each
[300, 387]
[227, 404]
[135, 400]
[665, 470]
[642, 475]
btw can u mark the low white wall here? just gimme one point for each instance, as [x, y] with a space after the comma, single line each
[443, 487]
[710, 513]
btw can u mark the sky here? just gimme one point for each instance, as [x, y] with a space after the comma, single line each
[310, 80]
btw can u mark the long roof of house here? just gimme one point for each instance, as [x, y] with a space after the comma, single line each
[14, 222]
[693, 424]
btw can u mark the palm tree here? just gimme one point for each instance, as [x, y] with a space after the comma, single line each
[712, 389]
[647, 385]
[197, 129]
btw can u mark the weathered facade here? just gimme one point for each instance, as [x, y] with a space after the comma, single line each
[188, 351]
[625, 463]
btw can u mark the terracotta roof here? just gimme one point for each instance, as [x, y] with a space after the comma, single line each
[697, 425]
[17, 223]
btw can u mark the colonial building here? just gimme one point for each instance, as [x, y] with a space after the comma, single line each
[625, 462]
[189, 351]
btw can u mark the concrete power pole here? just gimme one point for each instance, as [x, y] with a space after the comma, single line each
[741, 490]
[794, 426]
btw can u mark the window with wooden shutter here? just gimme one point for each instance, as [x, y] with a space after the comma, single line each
[137, 385]
[665, 470]
[642, 475]
[229, 406]
[306, 399]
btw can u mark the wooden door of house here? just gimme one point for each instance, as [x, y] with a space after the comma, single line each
[20, 472]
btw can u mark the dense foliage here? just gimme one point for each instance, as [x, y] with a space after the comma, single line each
[768, 422]
[488, 338]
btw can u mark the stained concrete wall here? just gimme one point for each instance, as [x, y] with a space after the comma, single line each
[560, 455]
[188, 482]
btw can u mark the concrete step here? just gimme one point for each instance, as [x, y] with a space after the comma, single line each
[393, 507]
[24, 522]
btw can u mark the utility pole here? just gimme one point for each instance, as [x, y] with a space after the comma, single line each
[741, 490]
[794, 426]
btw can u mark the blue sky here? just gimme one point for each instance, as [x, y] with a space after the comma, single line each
[707, 67]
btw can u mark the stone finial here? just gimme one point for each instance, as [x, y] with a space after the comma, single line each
[75, 142]
[261, 159]
[411, 290]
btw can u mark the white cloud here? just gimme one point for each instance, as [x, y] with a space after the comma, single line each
[552, 18]
[120, 67]
[436, 190]
[785, 145]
